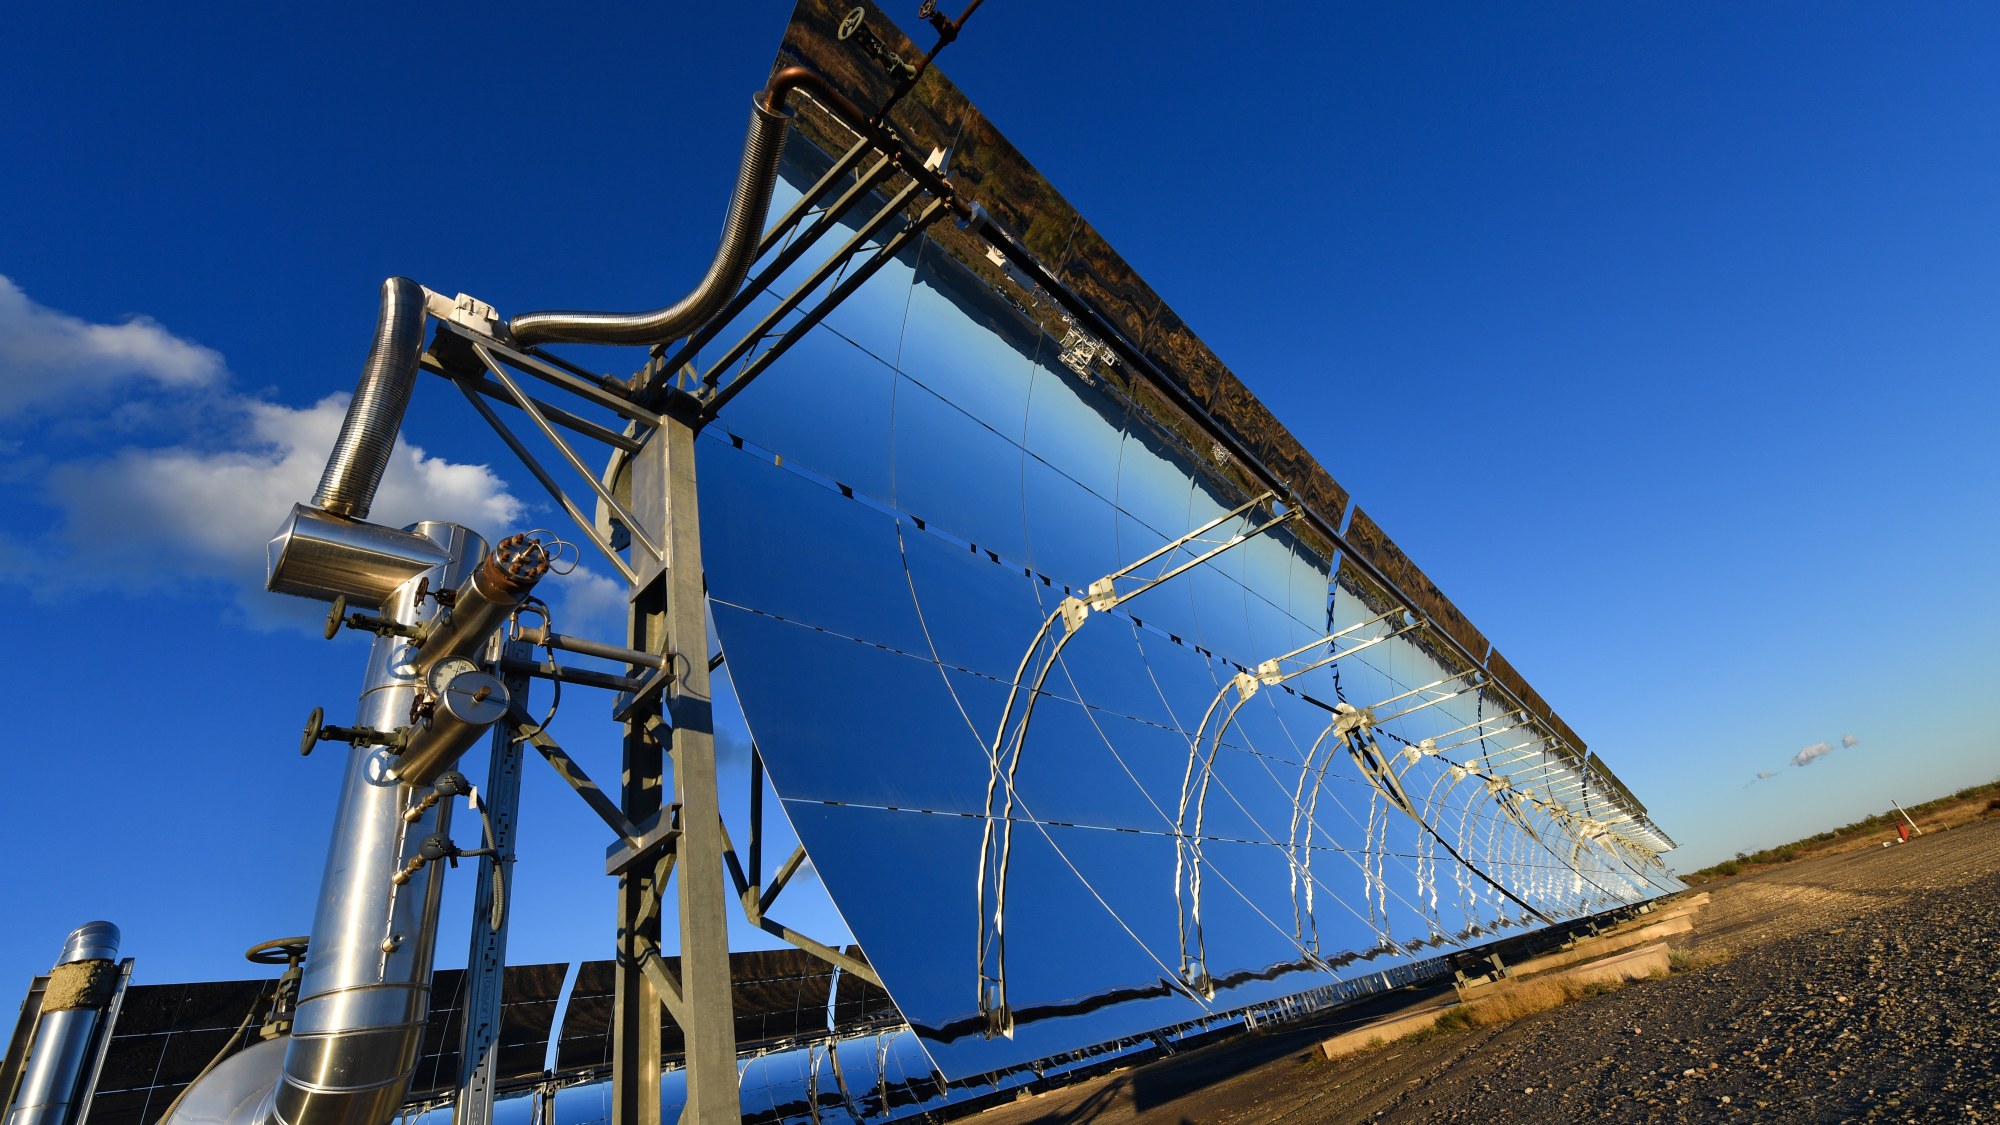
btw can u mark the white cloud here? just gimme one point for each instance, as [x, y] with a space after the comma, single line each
[588, 604]
[1809, 754]
[1849, 740]
[47, 356]
[171, 517]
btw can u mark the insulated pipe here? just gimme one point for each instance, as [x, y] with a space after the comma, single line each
[79, 988]
[368, 433]
[320, 555]
[366, 990]
[742, 230]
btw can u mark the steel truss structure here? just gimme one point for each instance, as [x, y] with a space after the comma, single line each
[644, 522]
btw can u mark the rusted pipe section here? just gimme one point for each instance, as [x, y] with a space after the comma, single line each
[496, 588]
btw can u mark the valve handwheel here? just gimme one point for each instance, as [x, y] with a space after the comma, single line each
[278, 951]
[310, 737]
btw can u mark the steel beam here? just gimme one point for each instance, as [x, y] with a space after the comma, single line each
[635, 997]
[710, 1022]
[486, 958]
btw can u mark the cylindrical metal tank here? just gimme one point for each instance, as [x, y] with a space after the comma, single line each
[80, 987]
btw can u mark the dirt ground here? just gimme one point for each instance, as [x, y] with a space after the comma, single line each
[1863, 985]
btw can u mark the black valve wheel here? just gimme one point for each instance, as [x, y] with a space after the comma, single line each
[310, 737]
[334, 616]
[278, 951]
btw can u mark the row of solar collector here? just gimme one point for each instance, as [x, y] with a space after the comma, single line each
[786, 1000]
[1081, 272]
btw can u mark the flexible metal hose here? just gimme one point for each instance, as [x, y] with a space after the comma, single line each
[368, 433]
[742, 229]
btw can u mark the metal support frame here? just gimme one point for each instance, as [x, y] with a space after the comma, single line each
[757, 898]
[664, 703]
[709, 1022]
[1009, 740]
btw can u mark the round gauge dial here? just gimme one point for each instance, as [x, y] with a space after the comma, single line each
[445, 671]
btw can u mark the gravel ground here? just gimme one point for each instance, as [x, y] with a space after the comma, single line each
[1857, 987]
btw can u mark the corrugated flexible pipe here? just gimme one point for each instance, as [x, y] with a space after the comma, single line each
[368, 433]
[742, 229]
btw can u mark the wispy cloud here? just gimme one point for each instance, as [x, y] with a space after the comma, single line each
[1849, 740]
[149, 518]
[48, 356]
[186, 505]
[588, 603]
[1807, 755]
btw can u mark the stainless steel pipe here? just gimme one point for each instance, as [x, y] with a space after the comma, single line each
[318, 555]
[366, 990]
[375, 414]
[365, 993]
[742, 230]
[79, 988]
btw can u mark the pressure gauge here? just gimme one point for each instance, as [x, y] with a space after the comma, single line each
[469, 694]
[445, 671]
[457, 702]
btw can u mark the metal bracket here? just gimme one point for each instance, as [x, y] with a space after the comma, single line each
[626, 705]
[1075, 612]
[660, 829]
[567, 768]
[755, 904]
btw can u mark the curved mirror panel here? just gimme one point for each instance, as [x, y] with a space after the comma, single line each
[1090, 734]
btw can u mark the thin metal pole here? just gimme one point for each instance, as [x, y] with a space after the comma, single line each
[1906, 818]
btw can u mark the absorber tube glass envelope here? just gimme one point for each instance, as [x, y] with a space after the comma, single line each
[1049, 834]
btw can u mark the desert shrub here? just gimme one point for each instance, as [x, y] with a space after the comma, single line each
[1457, 1019]
[1688, 960]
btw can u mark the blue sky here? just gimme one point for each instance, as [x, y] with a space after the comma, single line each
[1662, 337]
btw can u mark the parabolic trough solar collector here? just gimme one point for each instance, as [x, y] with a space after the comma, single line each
[1061, 798]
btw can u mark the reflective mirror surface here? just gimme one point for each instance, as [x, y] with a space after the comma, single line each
[1047, 834]
[1088, 730]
